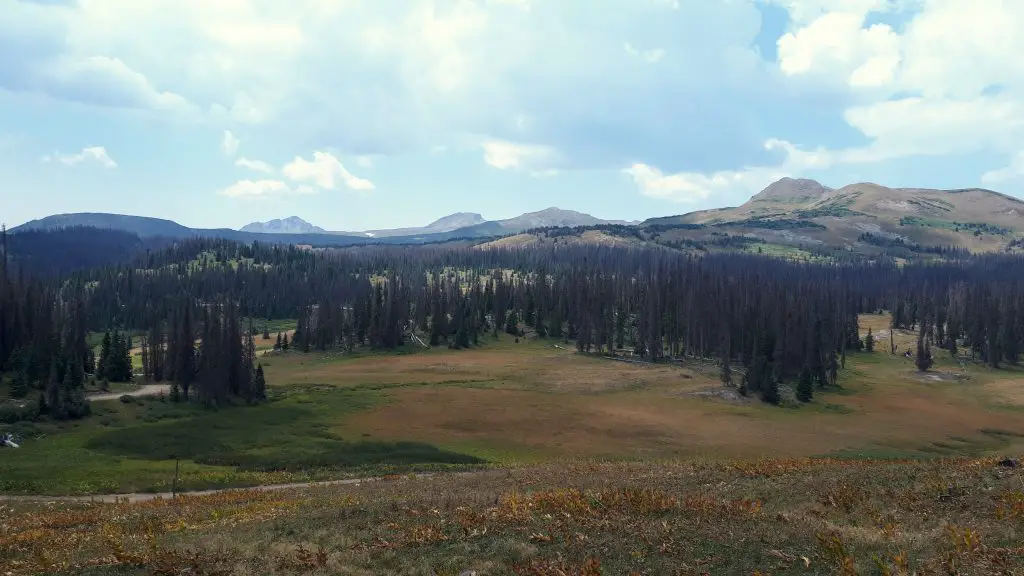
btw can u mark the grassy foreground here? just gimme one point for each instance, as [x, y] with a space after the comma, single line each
[949, 516]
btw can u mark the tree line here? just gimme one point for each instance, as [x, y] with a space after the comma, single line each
[765, 321]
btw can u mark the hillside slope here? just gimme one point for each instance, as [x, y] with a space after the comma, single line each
[859, 215]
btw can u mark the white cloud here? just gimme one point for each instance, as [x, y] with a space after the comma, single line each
[326, 171]
[650, 56]
[1011, 173]
[838, 43]
[548, 85]
[804, 11]
[256, 189]
[255, 165]
[229, 143]
[399, 76]
[364, 161]
[505, 155]
[90, 153]
[951, 82]
[107, 81]
[521, 4]
[726, 185]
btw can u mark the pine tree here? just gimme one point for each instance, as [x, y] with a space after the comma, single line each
[833, 369]
[620, 326]
[770, 392]
[869, 342]
[104, 361]
[90, 361]
[726, 370]
[512, 323]
[260, 384]
[19, 384]
[284, 344]
[126, 358]
[266, 332]
[924, 354]
[75, 404]
[54, 397]
[277, 345]
[146, 367]
[437, 320]
[805, 386]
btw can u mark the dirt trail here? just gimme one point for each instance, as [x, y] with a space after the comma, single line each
[144, 390]
[147, 496]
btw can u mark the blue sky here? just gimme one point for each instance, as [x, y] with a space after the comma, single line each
[360, 114]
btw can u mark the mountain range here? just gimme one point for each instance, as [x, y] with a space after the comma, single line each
[795, 213]
[295, 230]
[470, 223]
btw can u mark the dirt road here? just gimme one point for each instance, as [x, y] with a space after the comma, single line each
[147, 496]
[144, 390]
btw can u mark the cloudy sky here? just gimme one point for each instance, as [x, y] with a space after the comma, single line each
[358, 114]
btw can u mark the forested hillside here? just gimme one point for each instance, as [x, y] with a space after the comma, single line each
[766, 321]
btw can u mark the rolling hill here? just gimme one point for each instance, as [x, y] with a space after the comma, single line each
[804, 218]
[442, 225]
[804, 211]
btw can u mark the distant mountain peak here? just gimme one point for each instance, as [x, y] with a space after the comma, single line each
[289, 225]
[792, 191]
[455, 221]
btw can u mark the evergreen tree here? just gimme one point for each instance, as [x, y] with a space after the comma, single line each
[512, 323]
[101, 367]
[284, 343]
[126, 359]
[266, 332]
[90, 361]
[146, 368]
[437, 321]
[54, 396]
[75, 404]
[726, 370]
[277, 345]
[805, 385]
[260, 384]
[770, 393]
[924, 354]
[19, 385]
[869, 342]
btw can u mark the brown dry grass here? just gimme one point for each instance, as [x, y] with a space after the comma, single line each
[530, 402]
[530, 365]
[954, 516]
[1007, 391]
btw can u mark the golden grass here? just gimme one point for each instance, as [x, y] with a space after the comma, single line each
[797, 516]
[531, 402]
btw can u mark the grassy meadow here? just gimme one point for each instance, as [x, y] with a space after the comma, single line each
[929, 517]
[333, 415]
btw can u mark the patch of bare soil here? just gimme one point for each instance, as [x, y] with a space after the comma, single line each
[941, 377]
[722, 393]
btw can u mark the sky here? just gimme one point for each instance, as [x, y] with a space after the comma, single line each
[363, 114]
